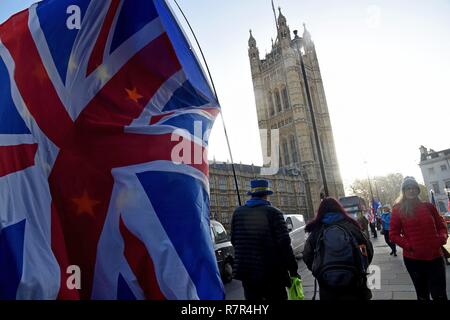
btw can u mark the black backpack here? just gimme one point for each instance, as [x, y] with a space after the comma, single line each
[338, 260]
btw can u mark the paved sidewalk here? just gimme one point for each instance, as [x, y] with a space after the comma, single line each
[395, 281]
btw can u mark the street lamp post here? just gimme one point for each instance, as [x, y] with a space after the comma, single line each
[313, 118]
[370, 184]
[376, 188]
[371, 192]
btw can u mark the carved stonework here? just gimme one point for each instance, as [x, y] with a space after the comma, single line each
[280, 70]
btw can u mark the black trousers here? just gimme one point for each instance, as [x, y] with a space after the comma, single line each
[428, 278]
[373, 228]
[258, 291]
[389, 243]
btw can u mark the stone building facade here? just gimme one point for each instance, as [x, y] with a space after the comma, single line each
[435, 166]
[288, 186]
[281, 103]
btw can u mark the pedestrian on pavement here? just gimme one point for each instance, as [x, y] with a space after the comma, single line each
[363, 223]
[338, 253]
[264, 260]
[386, 220]
[418, 228]
[373, 223]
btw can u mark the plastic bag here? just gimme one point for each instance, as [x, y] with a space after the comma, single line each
[296, 289]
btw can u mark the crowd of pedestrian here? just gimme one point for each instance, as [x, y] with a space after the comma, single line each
[338, 250]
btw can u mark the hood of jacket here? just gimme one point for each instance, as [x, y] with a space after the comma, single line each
[332, 217]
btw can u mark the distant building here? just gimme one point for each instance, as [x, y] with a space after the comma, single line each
[435, 166]
[281, 103]
[288, 187]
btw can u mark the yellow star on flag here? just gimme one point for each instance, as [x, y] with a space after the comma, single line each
[85, 204]
[134, 95]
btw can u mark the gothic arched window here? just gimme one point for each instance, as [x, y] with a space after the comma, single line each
[286, 153]
[285, 97]
[294, 149]
[278, 101]
[304, 98]
[315, 100]
[271, 106]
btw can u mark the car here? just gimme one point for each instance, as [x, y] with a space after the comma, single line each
[223, 249]
[296, 227]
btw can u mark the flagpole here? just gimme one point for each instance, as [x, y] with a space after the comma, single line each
[433, 200]
[370, 184]
[376, 188]
[217, 98]
[313, 120]
[275, 15]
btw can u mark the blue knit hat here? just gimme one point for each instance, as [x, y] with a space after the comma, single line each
[260, 187]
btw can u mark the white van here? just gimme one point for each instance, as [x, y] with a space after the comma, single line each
[296, 227]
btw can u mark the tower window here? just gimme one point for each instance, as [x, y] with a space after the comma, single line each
[303, 95]
[222, 183]
[278, 100]
[271, 106]
[294, 149]
[315, 101]
[286, 153]
[281, 186]
[284, 94]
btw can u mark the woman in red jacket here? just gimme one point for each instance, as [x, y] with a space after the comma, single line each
[418, 228]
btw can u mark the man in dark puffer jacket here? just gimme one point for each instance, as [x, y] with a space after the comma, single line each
[262, 246]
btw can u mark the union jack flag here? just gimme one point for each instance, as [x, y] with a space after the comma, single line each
[89, 119]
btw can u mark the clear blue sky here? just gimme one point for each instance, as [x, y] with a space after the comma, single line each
[385, 66]
[9, 7]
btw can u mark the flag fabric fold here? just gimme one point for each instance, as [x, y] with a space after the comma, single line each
[103, 137]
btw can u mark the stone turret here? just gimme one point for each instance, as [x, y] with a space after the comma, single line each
[284, 35]
[253, 53]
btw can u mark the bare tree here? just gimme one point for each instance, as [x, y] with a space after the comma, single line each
[385, 188]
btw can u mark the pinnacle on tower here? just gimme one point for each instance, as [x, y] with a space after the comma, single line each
[253, 52]
[281, 18]
[251, 40]
[306, 36]
[283, 30]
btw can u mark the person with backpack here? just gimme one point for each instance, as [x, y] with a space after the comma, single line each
[338, 253]
[418, 228]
